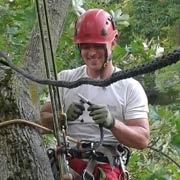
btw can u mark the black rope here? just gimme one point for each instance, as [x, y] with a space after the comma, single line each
[145, 68]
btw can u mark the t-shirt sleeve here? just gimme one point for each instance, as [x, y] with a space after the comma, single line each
[136, 102]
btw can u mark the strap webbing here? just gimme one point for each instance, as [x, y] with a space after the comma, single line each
[88, 172]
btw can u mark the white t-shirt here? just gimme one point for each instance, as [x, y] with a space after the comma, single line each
[125, 99]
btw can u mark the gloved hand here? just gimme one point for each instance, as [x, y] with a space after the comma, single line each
[101, 115]
[75, 110]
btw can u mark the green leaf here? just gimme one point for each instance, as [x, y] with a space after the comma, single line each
[178, 125]
[101, 174]
[12, 30]
[175, 140]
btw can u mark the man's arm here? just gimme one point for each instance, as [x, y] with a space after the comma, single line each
[132, 133]
[46, 117]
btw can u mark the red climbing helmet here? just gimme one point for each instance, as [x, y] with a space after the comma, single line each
[95, 26]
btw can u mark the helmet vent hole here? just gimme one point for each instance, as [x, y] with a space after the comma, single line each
[103, 32]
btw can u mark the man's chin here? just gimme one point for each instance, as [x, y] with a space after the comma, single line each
[95, 68]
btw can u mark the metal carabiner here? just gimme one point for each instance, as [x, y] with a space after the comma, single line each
[87, 176]
[124, 175]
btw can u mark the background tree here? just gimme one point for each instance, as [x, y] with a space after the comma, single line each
[22, 151]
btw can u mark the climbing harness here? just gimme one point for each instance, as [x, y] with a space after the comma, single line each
[93, 154]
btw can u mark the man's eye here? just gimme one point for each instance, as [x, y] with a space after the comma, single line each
[84, 46]
[98, 46]
[95, 46]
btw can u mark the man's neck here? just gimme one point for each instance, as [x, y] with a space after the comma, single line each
[104, 73]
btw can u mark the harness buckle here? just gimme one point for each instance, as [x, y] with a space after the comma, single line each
[88, 171]
[87, 176]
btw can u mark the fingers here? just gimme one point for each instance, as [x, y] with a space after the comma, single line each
[101, 115]
[78, 110]
[74, 111]
[80, 106]
[98, 113]
[98, 108]
[95, 107]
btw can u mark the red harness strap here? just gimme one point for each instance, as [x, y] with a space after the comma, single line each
[79, 165]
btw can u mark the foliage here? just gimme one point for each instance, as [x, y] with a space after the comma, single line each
[155, 24]
[156, 15]
[67, 53]
[16, 17]
[159, 160]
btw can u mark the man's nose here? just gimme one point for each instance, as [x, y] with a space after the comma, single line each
[92, 50]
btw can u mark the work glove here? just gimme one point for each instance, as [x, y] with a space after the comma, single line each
[75, 110]
[101, 115]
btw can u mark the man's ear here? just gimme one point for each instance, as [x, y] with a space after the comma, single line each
[113, 43]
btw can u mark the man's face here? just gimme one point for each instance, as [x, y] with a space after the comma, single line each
[93, 55]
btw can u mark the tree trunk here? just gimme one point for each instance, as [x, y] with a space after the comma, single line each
[22, 153]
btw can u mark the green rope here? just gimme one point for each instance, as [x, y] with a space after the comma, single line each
[56, 105]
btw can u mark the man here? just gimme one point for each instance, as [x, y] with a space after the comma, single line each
[120, 108]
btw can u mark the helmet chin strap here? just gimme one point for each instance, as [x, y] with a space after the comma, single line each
[108, 58]
[103, 67]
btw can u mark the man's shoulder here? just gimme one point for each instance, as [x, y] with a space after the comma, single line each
[72, 74]
[73, 71]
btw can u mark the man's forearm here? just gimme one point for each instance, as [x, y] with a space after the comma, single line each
[47, 119]
[131, 136]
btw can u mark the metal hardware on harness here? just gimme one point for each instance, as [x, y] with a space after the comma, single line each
[54, 164]
[124, 176]
[122, 164]
[88, 172]
[123, 154]
[113, 155]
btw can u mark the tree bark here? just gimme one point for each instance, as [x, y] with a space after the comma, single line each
[22, 152]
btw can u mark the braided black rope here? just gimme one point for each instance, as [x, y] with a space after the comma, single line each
[145, 68]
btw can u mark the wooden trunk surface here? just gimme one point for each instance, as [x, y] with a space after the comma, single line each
[22, 154]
